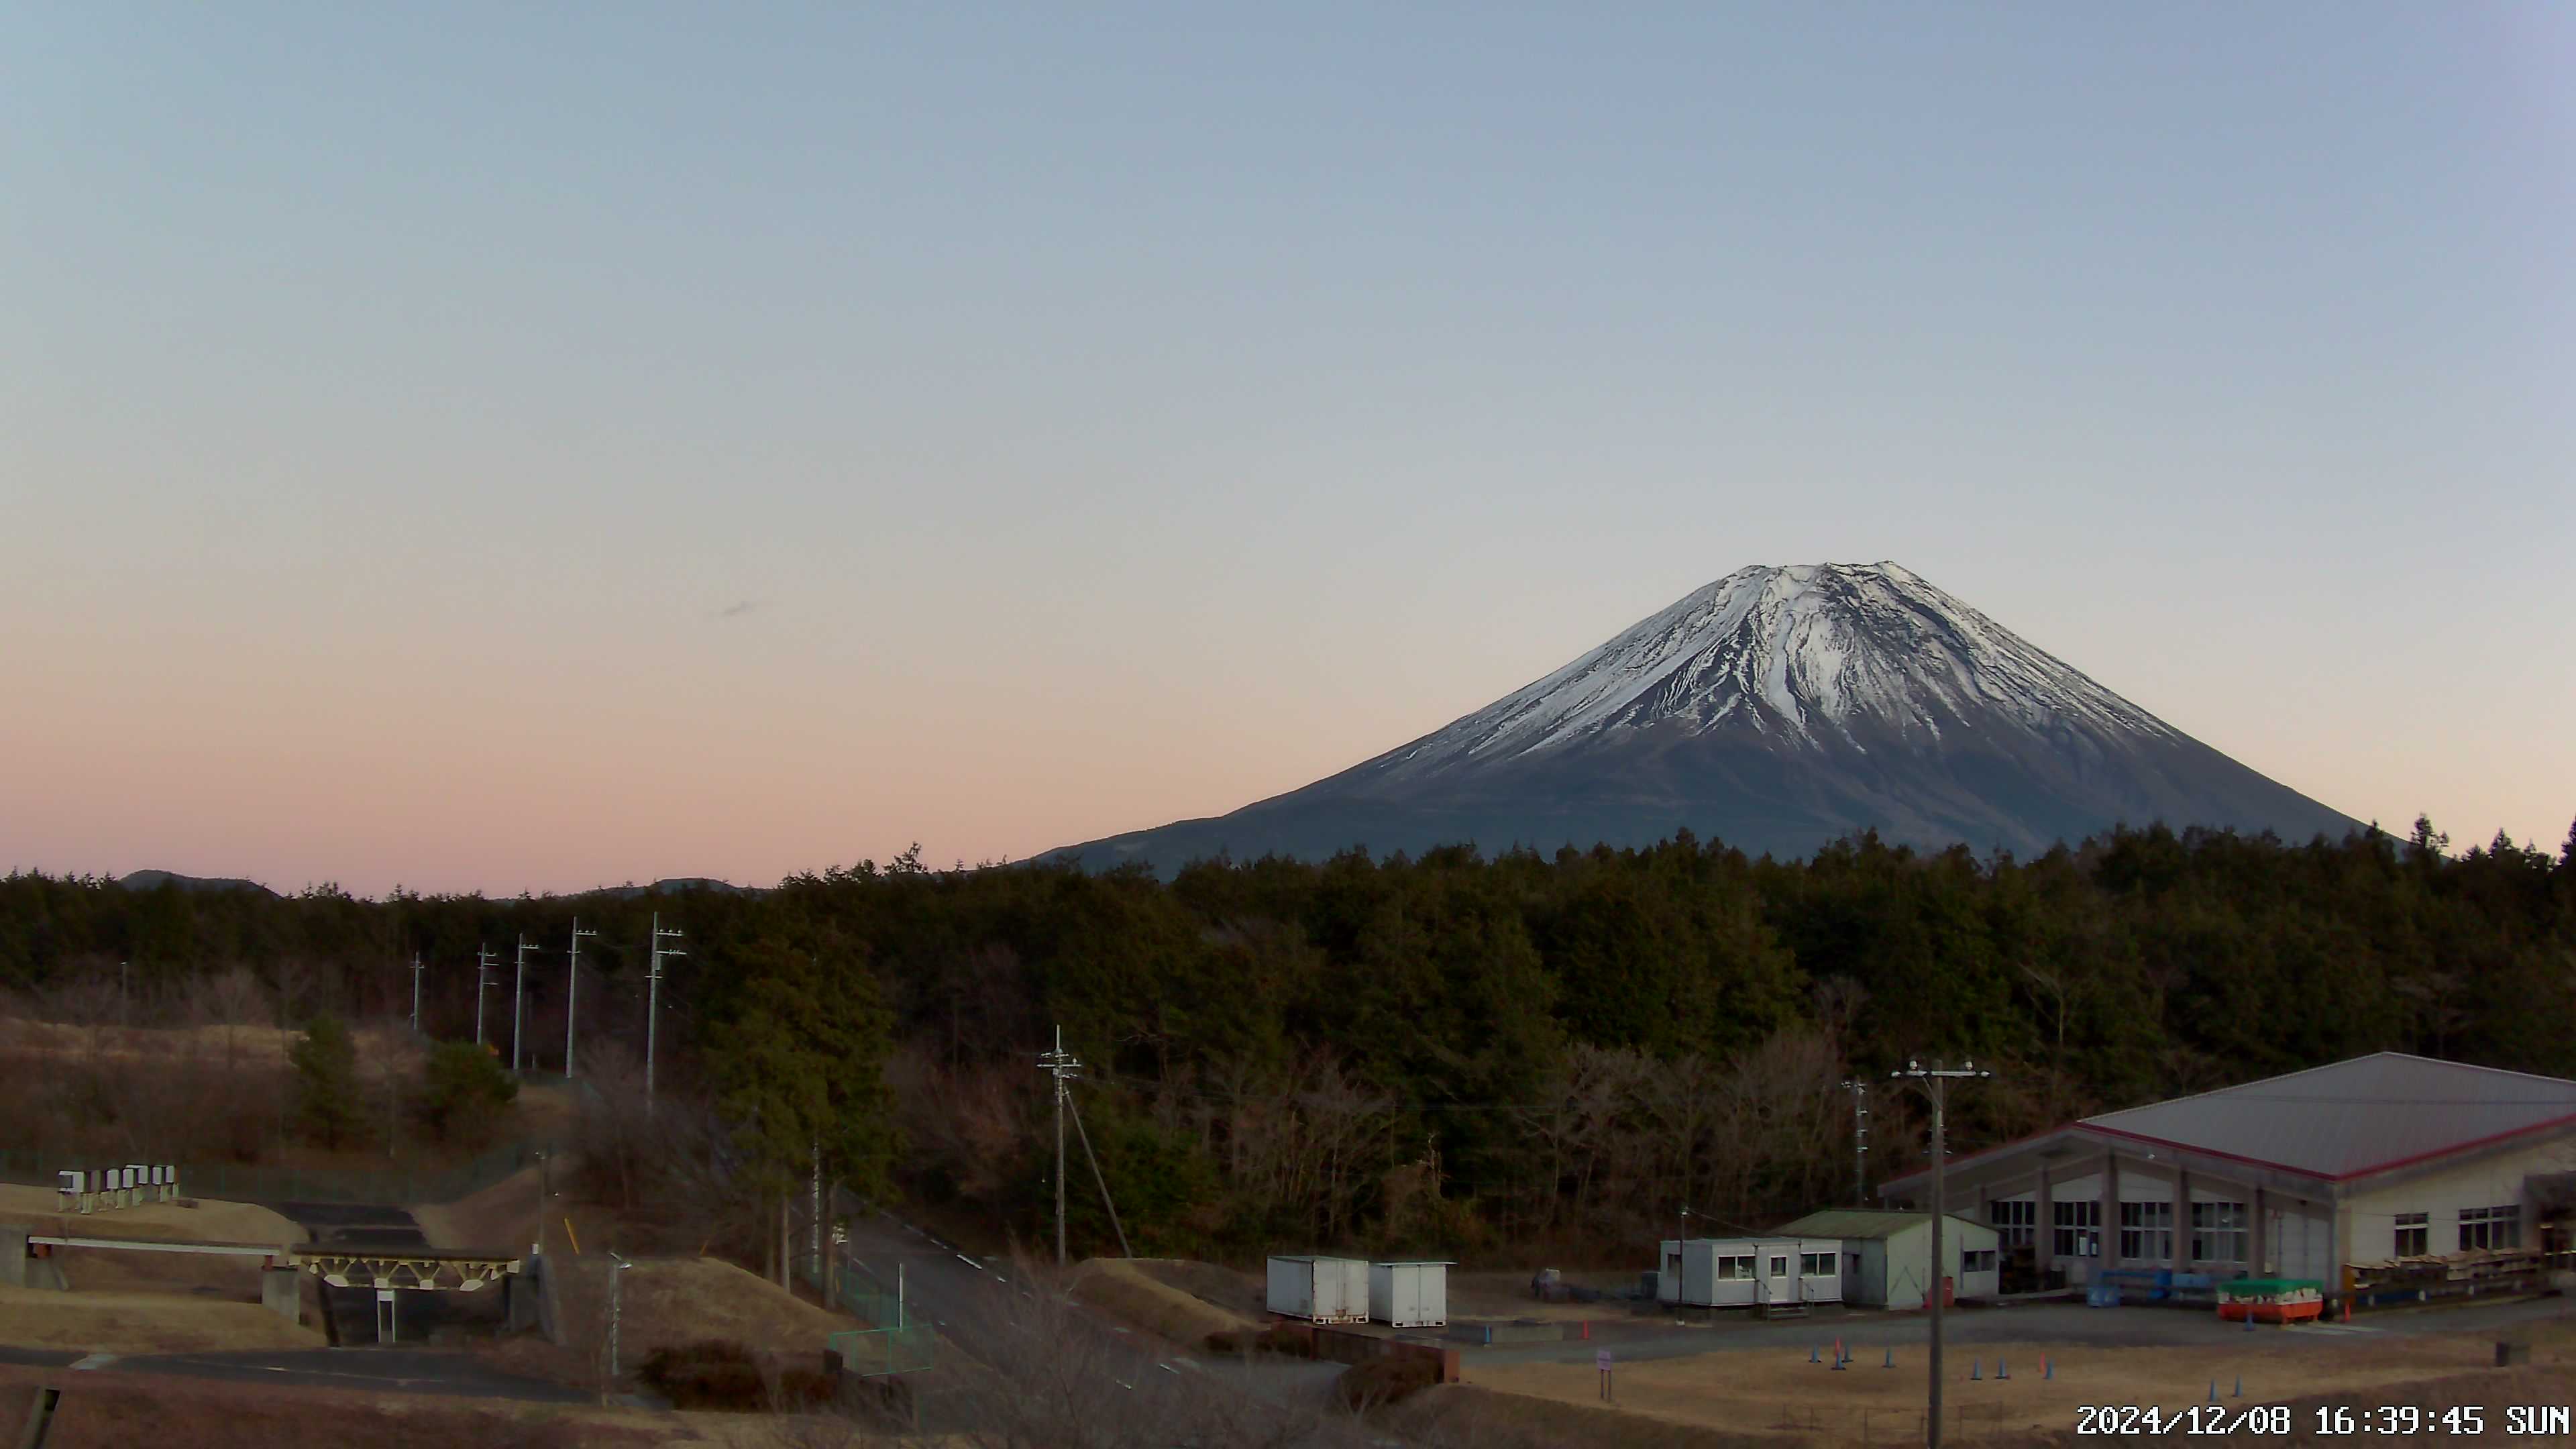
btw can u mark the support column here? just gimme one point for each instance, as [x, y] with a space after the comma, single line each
[2110, 1211]
[2043, 1233]
[2182, 1220]
[2258, 1235]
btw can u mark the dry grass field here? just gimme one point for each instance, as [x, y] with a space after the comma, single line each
[207, 1221]
[117, 1410]
[142, 1323]
[1135, 1291]
[1774, 1392]
[508, 1214]
[667, 1303]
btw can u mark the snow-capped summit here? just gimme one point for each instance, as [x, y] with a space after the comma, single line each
[1774, 709]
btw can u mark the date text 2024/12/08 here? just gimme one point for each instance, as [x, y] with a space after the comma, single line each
[2328, 1419]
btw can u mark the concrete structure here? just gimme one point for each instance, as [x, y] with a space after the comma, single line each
[281, 1291]
[1409, 1294]
[1320, 1290]
[2379, 1157]
[1749, 1272]
[1887, 1256]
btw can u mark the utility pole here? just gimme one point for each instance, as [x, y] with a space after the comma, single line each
[1064, 1067]
[616, 1276]
[519, 1001]
[653, 998]
[483, 959]
[1860, 1140]
[415, 993]
[1934, 1083]
[572, 992]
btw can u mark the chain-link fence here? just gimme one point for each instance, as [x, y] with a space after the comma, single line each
[237, 1182]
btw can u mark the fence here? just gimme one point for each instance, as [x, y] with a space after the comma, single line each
[236, 1182]
[895, 1341]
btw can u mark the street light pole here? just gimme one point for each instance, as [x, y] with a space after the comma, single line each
[1934, 1082]
[572, 992]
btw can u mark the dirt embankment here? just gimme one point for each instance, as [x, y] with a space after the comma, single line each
[1136, 1291]
[141, 1323]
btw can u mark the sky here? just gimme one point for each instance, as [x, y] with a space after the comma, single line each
[519, 448]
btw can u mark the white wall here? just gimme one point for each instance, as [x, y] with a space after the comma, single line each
[2370, 1216]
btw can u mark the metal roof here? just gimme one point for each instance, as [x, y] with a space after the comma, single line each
[2353, 1118]
[1854, 1224]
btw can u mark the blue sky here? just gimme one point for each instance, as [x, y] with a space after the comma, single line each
[1124, 415]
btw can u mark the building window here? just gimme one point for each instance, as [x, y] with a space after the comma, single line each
[1981, 1260]
[2013, 1221]
[2079, 1228]
[2218, 1232]
[1816, 1265]
[1780, 1267]
[2490, 1227]
[2414, 1235]
[2146, 1231]
[1734, 1269]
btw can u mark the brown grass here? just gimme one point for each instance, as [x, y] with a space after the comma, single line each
[1124, 1289]
[141, 1323]
[510, 1213]
[114, 1409]
[1774, 1393]
[1463, 1416]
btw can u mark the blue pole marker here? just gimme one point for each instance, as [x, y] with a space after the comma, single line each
[1812, 1355]
[2003, 1368]
[2047, 1367]
[2240, 1386]
[2213, 1391]
[1973, 1374]
[1891, 1359]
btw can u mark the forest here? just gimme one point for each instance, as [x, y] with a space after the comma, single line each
[1451, 1052]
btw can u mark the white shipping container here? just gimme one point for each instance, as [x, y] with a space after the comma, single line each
[1409, 1294]
[1321, 1290]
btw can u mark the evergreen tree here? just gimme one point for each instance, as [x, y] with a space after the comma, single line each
[325, 1060]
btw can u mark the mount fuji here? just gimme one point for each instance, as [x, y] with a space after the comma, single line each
[1774, 710]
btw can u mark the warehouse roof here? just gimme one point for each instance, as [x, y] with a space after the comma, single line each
[2353, 1118]
[1853, 1224]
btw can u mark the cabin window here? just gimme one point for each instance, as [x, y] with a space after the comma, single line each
[2014, 1222]
[1816, 1265]
[1735, 1269]
[1977, 1260]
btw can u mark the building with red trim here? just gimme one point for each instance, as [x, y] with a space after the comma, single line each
[2380, 1157]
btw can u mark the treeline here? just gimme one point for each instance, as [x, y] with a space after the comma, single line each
[1427, 1053]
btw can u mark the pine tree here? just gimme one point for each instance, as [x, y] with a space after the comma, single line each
[326, 1081]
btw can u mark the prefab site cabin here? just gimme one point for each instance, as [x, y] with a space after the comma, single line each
[1320, 1290]
[1749, 1272]
[1409, 1295]
[1887, 1256]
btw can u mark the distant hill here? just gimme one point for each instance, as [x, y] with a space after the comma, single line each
[153, 880]
[1775, 710]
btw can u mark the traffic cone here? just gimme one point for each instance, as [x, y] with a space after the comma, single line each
[1813, 1354]
[2003, 1368]
[2347, 1310]
[2240, 1386]
[1891, 1359]
[1973, 1374]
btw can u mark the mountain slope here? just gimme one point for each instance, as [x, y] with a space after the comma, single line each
[1775, 709]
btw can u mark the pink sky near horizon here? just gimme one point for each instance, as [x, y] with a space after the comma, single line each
[1120, 419]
